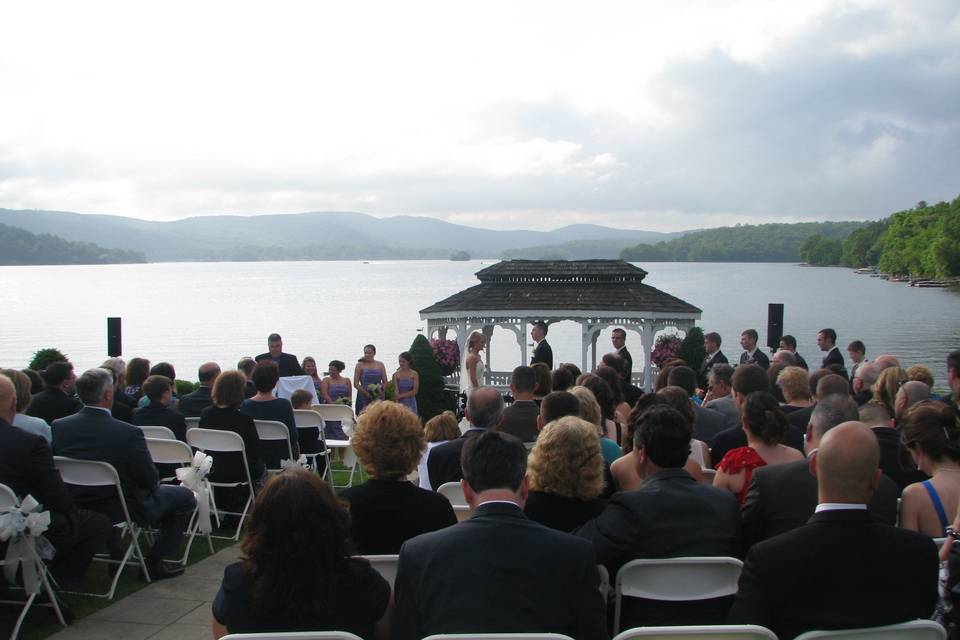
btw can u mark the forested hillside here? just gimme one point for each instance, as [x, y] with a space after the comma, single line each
[22, 247]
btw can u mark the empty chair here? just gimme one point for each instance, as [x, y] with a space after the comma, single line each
[275, 444]
[192, 422]
[699, 632]
[216, 443]
[343, 414]
[913, 630]
[312, 440]
[157, 432]
[676, 580]
[453, 492]
[93, 473]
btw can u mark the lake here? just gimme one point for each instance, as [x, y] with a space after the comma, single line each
[188, 313]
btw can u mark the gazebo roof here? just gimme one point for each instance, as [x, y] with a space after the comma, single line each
[582, 287]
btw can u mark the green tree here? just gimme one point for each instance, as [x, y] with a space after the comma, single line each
[691, 349]
[864, 246]
[431, 400]
[820, 251]
[43, 358]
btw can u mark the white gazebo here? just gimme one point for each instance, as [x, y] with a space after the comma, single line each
[596, 294]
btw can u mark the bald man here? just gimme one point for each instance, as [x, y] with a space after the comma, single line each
[910, 393]
[842, 569]
[193, 403]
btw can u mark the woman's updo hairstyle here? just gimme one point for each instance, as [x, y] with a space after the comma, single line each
[932, 426]
[473, 340]
[764, 417]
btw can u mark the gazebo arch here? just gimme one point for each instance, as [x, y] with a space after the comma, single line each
[596, 294]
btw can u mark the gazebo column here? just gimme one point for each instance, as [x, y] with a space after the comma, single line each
[517, 330]
[522, 339]
[593, 350]
[488, 334]
[646, 335]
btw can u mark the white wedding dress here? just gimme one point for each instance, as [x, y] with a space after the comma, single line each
[466, 385]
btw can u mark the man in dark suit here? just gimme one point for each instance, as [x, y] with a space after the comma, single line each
[711, 344]
[542, 352]
[26, 466]
[57, 399]
[619, 340]
[484, 411]
[827, 341]
[498, 571]
[286, 362]
[520, 418]
[123, 405]
[782, 497]
[706, 424]
[719, 396]
[752, 354]
[789, 343]
[842, 569]
[158, 413]
[670, 515]
[93, 434]
[193, 403]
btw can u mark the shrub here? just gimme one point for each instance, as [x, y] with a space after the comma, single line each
[431, 399]
[691, 349]
[45, 357]
[185, 386]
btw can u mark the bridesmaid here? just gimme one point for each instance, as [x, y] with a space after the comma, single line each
[309, 367]
[334, 387]
[406, 382]
[368, 371]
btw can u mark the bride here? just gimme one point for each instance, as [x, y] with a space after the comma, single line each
[471, 373]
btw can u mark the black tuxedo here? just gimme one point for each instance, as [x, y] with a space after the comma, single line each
[628, 363]
[194, 403]
[707, 424]
[758, 358]
[520, 420]
[26, 466]
[841, 570]
[443, 463]
[543, 353]
[833, 357]
[52, 404]
[286, 362]
[707, 364]
[782, 497]
[670, 515]
[498, 572]
[157, 415]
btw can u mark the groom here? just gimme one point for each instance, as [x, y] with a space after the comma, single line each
[542, 353]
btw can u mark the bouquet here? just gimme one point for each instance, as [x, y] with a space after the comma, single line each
[344, 400]
[375, 390]
[665, 349]
[447, 355]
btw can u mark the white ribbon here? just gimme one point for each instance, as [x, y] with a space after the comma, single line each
[194, 478]
[300, 463]
[19, 527]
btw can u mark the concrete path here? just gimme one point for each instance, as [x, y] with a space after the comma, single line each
[174, 609]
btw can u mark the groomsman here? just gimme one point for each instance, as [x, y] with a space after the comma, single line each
[751, 353]
[542, 353]
[619, 339]
[711, 344]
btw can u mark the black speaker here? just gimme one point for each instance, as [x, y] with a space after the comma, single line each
[774, 325]
[114, 341]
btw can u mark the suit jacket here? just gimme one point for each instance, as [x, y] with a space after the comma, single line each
[707, 364]
[707, 424]
[543, 353]
[628, 367]
[670, 515]
[498, 572]
[839, 571]
[194, 403]
[286, 362]
[520, 420]
[782, 497]
[833, 357]
[758, 358]
[160, 416]
[725, 407]
[51, 404]
[26, 466]
[93, 434]
[443, 463]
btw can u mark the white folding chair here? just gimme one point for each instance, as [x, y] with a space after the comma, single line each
[343, 414]
[604, 582]
[192, 422]
[180, 453]
[453, 492]
[676, 579]
[700, 632]
[93, 473]
[214, 441]
[913, 630]
[498, 636]
[308, 420]
[273, 432]
[8, 501]
[386, 566]
[294, 635]
[157, 432]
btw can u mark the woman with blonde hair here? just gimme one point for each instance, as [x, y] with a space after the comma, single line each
[886, 387]
[565, 473]
[472, 370]
[438, 429]
[794, 382]
[590, 411]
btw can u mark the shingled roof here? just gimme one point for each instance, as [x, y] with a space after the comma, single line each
[582, 286]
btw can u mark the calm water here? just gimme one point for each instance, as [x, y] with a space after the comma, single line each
[187, 313]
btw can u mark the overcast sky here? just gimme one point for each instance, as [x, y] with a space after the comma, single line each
[651, 115]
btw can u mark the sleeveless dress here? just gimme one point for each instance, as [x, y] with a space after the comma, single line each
[403, 386]
[333, 429]
[938, 505]
[740, 459]
[466, 385]
[367, 377]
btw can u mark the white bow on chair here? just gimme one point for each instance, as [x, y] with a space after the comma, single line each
[300, 463]
[20, 527]
[194, 478]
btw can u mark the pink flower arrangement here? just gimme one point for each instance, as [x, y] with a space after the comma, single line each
[447, 355]
[665, 349]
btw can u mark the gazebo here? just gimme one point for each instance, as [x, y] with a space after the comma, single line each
[596, 294]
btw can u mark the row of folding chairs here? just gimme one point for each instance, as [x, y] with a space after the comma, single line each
[914, 630]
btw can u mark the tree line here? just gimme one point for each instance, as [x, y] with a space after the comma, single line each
[18, 246]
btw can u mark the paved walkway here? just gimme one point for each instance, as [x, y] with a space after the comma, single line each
[174, 609]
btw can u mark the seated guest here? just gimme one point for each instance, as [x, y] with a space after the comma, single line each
[886, 387]
[520, 418]
[387, 510]
[842, 569]
[498, 571]
[26, 466]
[123, 404]
[36, 382]
[608, 407]
[544, 381]
[264, 406]
[561, 379]
[910, 393]
[484, 411]
[932, 436]
[166, 370]
[706, 424]
[556, 405]
[718, 397]
[895, 461]
[565, 475]
[764, 425]
[301, 400]
[670, 515]
[309, 367]
[794, 382]
[158, 413]
[862, 383]
[21, 420]
[438, 429]
[631, 392]
[298, 571]
[334, 389]
[192, 404]
[246, 367]
[573, 369]
[138, 370]
[224, 415]
[309, 439]
[590, 411]
[92, 434]
[612, 377]
[57, 399]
